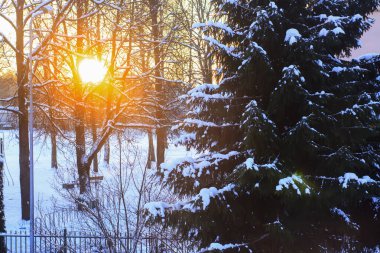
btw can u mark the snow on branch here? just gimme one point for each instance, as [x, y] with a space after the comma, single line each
[157, 209]
[194, 167]
[292, 36]
[369, 58]
[355, 109]
[10, 109]
[292, 71]
[345, 217]
[204, 87]
[184, 138]
[221, 247]
[207, 193]
[214, 24]
[43, 7]
[223, 47]
[204, 91]
[291, 182]
[201, 123]
[250, 164]
[345, 180]
[191, 96]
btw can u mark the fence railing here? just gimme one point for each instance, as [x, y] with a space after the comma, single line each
[86, 242]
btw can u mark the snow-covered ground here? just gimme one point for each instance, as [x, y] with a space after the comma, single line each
[46, 187]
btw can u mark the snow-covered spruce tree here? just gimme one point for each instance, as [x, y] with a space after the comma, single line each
[287, 143]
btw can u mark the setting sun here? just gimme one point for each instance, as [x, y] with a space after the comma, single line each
[92, 70]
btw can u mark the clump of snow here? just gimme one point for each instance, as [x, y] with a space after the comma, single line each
[323, 32]
[157, 208]
[291, 182]
[199, 123]
[184, 138]
[219, 25]
[195, 166]
[353, 177]
[250, 163]
[203, 87]
[322, 17]
[339, 69]
[292, 71]
[202, 92]
[357, 17]
[273, 5]
[207, 193]
[338, 30]
[220, 247]
[292, 36]
[368, 57]
[334, 19]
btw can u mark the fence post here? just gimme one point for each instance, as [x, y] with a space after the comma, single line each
[1, 146]
[2, 216]
[64, 240]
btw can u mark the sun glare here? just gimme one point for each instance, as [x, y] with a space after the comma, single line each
[92, 71]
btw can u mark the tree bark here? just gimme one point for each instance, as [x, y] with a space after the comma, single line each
[22, 79]
[53, 137]
[151, 155]
[80, 139]
[160, 131]
[106, 157]
[54, 160]
[50, 101]
[95, 163]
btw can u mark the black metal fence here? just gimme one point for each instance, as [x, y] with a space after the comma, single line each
[86, 242]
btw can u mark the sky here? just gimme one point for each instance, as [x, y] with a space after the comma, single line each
[370, 40]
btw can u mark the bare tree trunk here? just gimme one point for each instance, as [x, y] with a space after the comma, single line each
[50, 101]
[107, 150]
[53, 133]
[80, 139]
[151, 155]
[151, 151]
[160, 132]
[53, 139]
[93, 117]
[94, 138]
[54, 162]
[23, 115]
